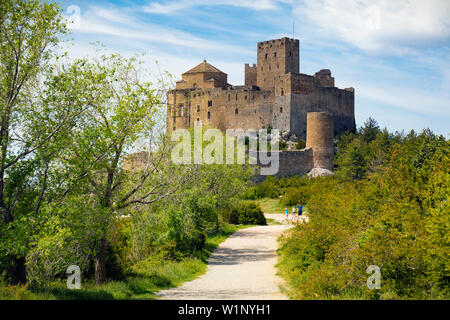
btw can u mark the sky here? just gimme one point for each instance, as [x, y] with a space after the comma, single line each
[396, 54]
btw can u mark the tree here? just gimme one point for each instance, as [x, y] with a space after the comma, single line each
[29, 32]
[121, 112]
[370, 130]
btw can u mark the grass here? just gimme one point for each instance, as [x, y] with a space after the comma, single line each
[269, 205]
[147, 279]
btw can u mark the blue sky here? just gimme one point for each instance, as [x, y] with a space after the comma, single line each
[396, 54]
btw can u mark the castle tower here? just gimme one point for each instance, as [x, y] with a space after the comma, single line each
[276, 57]
[319, 137]
[203, 75]
[250, 75]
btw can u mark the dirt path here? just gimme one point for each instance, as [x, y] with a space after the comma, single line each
[241, 268]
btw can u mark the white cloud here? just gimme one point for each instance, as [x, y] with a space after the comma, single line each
[162, 61]
[408, 99]
[166, 8]
[379, 25]
[169, 7]
[100, 21]
[124, 32]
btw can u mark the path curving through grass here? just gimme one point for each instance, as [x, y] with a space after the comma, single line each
[241, 268]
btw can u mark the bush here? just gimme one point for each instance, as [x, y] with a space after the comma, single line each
[19, 292]
[300, 145]
[252, 193]
[293, 182]
[394, 218]
[282, 145]
[295, 196]
[267, 189]
[245, 213]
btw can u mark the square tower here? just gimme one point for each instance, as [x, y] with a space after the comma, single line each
[276, 57]
[250, 75]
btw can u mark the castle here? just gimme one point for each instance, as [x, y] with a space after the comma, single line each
[275, 95]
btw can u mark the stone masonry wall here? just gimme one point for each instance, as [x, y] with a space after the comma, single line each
[250, 75]
[307, 96]
[238, 108]
[298, 162]
[276, 57]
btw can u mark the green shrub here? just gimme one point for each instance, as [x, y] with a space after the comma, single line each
[395, 218]
[267, 189]
[245, 213]
[229, 215]
[293, 182]
[300, 145]
[251, 193]
[282, 145]
[295, 196]
[19, 292]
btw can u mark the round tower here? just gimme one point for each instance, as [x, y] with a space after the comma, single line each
[320, 137]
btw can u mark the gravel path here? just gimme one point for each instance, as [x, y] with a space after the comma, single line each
[241, 268]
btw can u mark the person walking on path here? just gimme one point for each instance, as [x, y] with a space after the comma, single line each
[293, 213]
[287, 213]
[299, 212]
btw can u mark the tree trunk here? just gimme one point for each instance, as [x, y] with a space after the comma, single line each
[100, 263]
[100, 268]
[17, 271]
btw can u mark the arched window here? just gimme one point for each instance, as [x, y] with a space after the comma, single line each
[209, 115]
[236, 111]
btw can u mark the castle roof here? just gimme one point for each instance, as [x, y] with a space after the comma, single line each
[203, 68]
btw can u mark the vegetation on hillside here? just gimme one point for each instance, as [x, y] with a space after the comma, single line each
[387, 206]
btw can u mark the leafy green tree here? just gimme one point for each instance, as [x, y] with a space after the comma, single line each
[29, 32]
[120, 116]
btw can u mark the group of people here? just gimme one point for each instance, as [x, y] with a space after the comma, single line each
[296, 212]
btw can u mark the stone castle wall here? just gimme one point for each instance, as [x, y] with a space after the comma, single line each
[338, 102]
[237, 108]
[276, 57]
[296, 162]
[250, 75]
